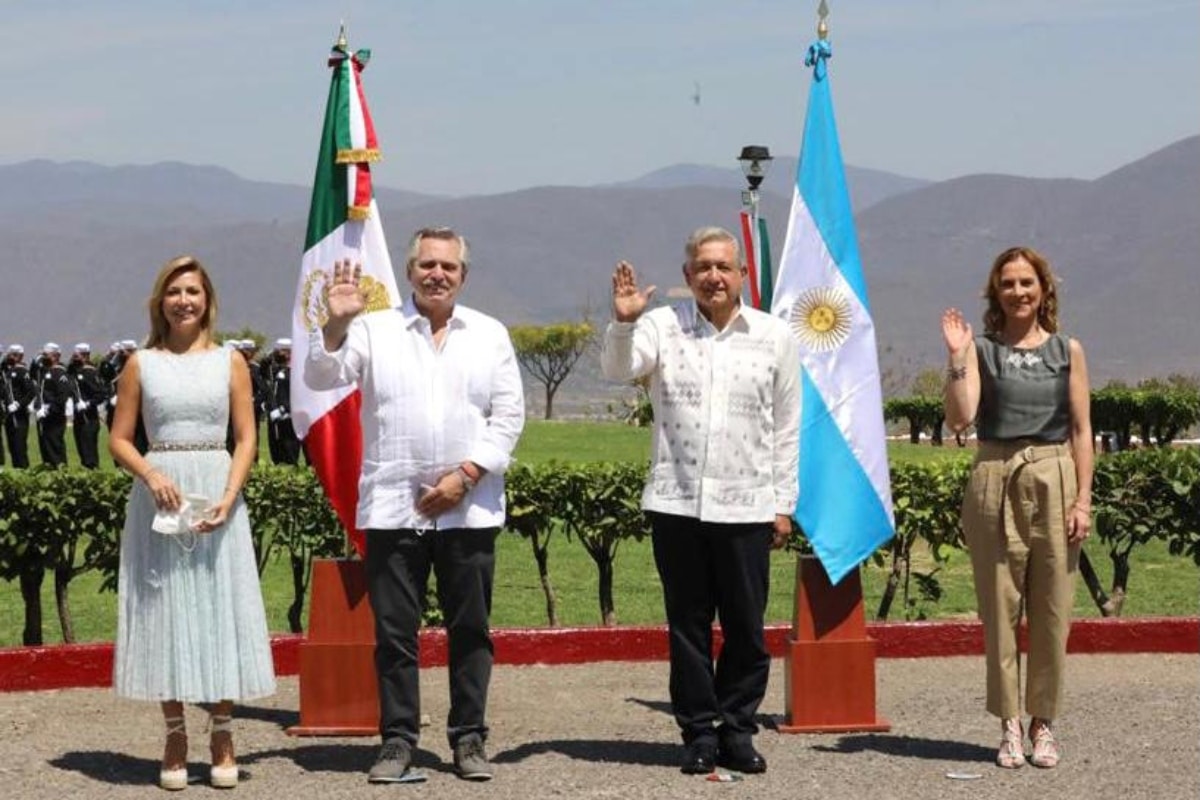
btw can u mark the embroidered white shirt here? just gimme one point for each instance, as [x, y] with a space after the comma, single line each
[425, 410]
[725, 446]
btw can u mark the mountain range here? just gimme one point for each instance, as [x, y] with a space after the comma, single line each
[81, 244]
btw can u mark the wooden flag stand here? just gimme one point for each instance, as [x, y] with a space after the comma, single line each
[829, 675]
[338, 691]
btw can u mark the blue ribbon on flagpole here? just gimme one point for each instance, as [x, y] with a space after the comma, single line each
[818, 53]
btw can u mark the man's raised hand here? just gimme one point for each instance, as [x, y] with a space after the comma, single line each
[628, 301]
[346, 298]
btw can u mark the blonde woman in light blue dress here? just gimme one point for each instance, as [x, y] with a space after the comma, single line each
[191, 626]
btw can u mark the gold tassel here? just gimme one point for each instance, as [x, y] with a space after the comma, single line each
[359, 156]
[358, 213]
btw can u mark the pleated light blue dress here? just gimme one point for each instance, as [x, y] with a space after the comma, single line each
[191, 624]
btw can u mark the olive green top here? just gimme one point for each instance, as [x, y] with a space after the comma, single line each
[1024, 393]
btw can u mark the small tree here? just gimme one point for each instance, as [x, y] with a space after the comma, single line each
[600, 505]
[534, 495]
[550, 352]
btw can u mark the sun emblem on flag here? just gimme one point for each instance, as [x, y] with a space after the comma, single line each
[821, 318]
[315, 308]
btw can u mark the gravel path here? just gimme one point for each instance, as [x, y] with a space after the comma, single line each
[1131, 731]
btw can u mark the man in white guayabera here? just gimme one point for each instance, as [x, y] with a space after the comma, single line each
[442, 408]
[724, 385]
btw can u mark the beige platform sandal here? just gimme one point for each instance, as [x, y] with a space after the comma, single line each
[222, 776]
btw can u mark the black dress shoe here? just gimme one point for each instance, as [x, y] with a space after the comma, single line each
[699, 758]
[741, 757]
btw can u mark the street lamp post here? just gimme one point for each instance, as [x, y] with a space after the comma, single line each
[755, 160]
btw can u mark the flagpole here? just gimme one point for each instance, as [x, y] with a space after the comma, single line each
[845, 497]
[338, 694]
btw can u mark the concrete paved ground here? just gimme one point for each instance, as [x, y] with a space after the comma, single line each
[1131, 731]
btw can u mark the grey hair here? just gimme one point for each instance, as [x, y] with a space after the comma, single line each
[444, 233]
[710, 233]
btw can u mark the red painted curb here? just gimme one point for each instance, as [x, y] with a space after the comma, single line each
[24, 669]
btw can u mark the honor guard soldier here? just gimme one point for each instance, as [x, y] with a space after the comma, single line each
[281, 436]
[247, 348]
[88, 395]
[5, 402]
[108, 369]
[53, 396]
[18, 394]
[258, 380]
[112, 365]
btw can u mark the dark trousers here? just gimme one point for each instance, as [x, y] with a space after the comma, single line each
[398, 564]
[52, 440]
[708, 570]
[87, 441]
[16, 430]
[282, 442]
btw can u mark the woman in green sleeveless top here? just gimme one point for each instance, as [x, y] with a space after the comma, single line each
[1027, 506]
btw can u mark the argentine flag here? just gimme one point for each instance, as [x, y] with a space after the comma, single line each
[845, 506]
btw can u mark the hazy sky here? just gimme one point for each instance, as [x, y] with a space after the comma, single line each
[475, 96]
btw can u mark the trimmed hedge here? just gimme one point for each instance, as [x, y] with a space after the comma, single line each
[68, 521]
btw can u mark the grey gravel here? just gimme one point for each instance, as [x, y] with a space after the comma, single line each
[1131, 731]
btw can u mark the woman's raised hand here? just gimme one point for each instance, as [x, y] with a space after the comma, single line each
[956, 332]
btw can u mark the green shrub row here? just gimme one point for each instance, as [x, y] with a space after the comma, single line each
[64, 522]
[1158, 411]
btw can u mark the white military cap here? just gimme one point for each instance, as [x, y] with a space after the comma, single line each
[51, 347]
[128, 344]
[283, 343]
[16, 349]
[83, 347]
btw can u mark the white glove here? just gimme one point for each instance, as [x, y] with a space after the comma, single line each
[112, 401]
[31, 408]
[12, 407]
[275, 415]
[83, 405]
[42, 412]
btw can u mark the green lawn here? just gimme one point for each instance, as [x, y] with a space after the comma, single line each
[1160, 584]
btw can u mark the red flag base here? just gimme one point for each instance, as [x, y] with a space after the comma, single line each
[338, 691]
[829, 675]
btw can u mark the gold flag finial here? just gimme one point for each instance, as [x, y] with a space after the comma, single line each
[822, 25]
[341, 40]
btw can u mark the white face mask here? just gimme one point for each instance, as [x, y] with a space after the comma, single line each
[182, 521]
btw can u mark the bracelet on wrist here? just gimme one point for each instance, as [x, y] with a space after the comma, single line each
[467, 481]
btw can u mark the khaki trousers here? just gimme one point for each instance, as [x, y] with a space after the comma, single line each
[1014, 519]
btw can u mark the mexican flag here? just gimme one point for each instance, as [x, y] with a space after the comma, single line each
[758, 259]
[343, 222]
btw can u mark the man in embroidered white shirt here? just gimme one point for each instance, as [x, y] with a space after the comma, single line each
[724, 385]
[442, 408]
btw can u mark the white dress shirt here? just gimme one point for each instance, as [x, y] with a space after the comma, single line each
[726, 403]
[425, 410]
